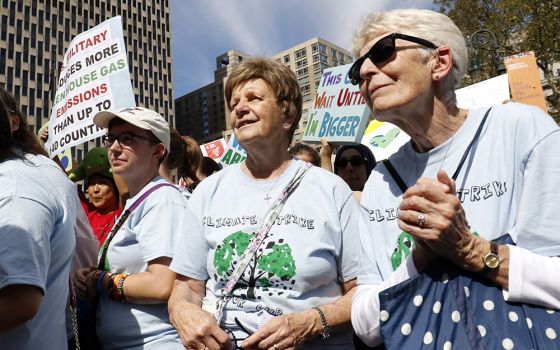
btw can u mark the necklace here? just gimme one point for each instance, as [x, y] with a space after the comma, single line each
[459, 118]
[267, 198]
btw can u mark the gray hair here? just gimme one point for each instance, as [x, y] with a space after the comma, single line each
[426, 24]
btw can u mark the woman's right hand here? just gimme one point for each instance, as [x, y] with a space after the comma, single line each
[198, 329]
[84, 282]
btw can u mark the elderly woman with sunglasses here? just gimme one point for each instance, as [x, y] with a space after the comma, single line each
[132, 281]
[268, 258]
[410, 62]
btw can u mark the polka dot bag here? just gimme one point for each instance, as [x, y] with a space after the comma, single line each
[447, 308]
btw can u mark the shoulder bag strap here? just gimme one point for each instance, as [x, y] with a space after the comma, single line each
[121, 221]
[259, 237]
[397, 178]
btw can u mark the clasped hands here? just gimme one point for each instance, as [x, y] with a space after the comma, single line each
[433, 214]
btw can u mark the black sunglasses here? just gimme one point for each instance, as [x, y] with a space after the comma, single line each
[383, 49]
[356, 161]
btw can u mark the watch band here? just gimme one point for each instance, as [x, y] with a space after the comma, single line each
[326, 328]
[491, 259]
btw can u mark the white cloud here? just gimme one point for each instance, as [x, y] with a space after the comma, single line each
[202, 30]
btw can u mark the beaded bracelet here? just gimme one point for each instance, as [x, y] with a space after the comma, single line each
[117, 292]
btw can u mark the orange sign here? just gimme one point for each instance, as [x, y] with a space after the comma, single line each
[524, 80]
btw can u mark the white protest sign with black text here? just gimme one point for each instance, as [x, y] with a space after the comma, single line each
[94, 77]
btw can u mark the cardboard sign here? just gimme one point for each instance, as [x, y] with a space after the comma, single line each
[214, 149]
[486, 93]
[340, 113]
[235, 153]
[94, 77]
[525, 80]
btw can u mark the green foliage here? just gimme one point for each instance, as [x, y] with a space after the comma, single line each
[234, 244]
[279, 262]
[519, 26]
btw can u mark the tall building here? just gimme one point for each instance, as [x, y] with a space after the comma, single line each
[199, 114]
[308, 60]
[35, 34]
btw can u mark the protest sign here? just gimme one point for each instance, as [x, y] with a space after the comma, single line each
[525, 80]
[94, 77]
[234, 154]
[486, 93]
[214, 149]
[339, 113]
[384, 139]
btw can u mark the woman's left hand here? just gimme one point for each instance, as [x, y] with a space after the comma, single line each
[283, 332]
[432, 213]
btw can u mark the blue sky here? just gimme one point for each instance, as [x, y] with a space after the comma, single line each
[204, 29]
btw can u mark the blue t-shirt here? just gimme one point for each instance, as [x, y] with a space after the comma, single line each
[38, 207]
[150, 232]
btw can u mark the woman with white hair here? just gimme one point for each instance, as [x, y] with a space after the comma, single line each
[420, 218]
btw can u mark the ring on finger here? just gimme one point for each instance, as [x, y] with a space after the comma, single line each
[421, 220]
[273, 347]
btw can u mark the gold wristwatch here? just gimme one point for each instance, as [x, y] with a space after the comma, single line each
[491, 259]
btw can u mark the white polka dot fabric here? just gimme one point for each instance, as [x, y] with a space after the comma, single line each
[445, 308]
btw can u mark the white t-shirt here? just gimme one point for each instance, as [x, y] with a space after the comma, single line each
[504, 186]
[38, 206]
[310, 249]
[151, 231]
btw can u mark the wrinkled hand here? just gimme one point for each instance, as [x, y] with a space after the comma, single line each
[282, 332]
[84, 282]
[446, 230]
[198, 329]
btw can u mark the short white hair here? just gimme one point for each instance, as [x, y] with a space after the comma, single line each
[426, 24]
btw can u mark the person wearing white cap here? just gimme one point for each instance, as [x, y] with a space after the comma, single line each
[132, 280]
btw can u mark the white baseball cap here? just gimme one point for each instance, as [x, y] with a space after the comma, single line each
[138, 116]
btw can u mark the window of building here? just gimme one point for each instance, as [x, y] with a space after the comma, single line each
[286, 58]
[18, 64]
[322, 48]
[323, 58]
[335, 63]
[301, 53]
[341, 56]
[301, 63]
[314, 48]
[3, 62]
[302, 71]
[305, 89]
[334, 53]
[4, 28]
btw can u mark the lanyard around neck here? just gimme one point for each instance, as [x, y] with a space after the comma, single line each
[402, 185]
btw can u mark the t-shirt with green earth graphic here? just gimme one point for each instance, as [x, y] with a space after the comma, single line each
[310, 249]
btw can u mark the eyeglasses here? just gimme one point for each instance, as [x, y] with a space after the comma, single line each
[383, 49]
[125, 139]
[356, 161]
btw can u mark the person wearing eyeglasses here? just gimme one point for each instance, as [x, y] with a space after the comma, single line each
[354, 163]
[466, 178]
[133, 281]
[269, 253]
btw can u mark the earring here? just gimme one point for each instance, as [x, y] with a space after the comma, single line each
[436, 76]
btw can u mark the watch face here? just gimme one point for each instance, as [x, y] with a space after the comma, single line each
[491, 260]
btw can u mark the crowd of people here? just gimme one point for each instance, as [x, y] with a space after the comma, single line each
[163, 249]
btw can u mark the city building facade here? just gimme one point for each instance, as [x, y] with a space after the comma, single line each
[196, 118]
[35, 34]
